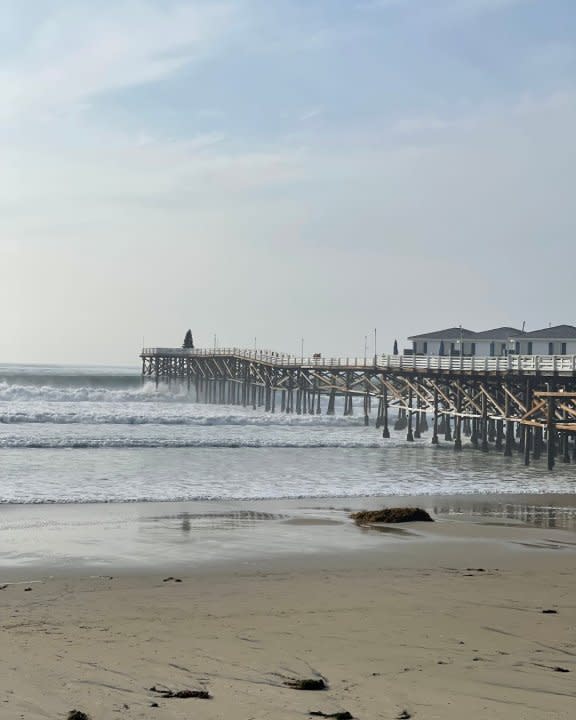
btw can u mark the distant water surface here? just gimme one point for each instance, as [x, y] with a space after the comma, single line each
[80, 435]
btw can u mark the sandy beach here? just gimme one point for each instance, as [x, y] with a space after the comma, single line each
[439, 621]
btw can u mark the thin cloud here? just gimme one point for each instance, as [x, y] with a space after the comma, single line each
[311, 114]
[443, 11]
[82, 52]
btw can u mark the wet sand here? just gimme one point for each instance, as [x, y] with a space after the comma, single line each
[149, 537]
[442, 620]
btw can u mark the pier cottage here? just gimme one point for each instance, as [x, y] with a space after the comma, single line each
[444, 342]
[557, 340]
[495, 342]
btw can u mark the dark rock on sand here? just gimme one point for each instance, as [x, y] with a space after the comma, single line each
[306, 684]
[391, 515]
[78, 715]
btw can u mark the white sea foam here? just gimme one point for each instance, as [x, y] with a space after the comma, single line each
[126, 442]
[118, 416]
[14, 392]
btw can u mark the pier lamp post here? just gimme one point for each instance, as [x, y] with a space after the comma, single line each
[302, 348]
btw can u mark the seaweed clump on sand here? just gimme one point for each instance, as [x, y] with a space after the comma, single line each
[391, 515]
[182, 694]
[307, 684]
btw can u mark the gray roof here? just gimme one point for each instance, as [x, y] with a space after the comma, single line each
[454, 333]
[500, 333]
[557, 332]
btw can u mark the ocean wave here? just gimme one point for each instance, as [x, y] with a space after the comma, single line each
[12, 392]
[120, 417]
[124, 442]
[359, 491]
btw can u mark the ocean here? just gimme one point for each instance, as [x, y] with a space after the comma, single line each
[101, 435]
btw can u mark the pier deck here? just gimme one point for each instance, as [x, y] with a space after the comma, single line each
[523, 402]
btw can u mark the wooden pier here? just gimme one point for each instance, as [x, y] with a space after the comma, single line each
[522, 403]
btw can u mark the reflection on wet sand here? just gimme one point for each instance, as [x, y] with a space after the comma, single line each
[388, 530]
[541, 516]
[232, 520]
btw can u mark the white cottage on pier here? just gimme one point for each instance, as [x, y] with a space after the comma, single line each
[558, 340]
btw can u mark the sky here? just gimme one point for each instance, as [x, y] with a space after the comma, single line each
[279, 171]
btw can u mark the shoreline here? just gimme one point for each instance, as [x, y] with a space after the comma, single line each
[448, 625]
[442, 620]
[213, 536]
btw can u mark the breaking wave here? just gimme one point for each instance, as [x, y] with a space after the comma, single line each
[11, 392]
[117, 416]
[120, 442]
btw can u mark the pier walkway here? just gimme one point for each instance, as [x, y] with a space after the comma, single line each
[513, 402]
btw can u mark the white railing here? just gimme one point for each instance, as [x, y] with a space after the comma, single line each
[519, 364]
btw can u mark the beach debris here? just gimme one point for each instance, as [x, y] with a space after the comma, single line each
[404, 715]
[78, 715]
[391, 515]
[183, 694]
[306, 684]
[343, 715]
[172, 579]
[555, 668]
[3, 587]
[154, 704]
[548, 611]
[27, 589]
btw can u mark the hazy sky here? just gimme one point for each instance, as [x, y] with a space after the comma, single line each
[282, 169]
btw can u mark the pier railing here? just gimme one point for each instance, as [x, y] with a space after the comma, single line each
[517, 364]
